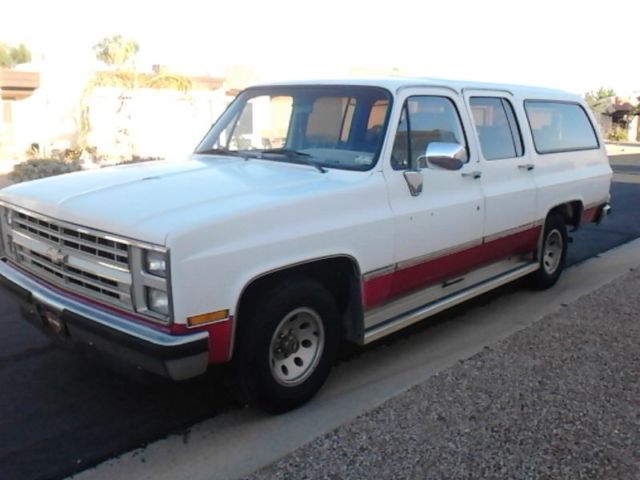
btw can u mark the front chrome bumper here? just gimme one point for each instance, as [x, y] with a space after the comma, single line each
[175, 356]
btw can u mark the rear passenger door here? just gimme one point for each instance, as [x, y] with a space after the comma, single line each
[508, 180]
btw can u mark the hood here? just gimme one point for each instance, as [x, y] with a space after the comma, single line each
[147, 201]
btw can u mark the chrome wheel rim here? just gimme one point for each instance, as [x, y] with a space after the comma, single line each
[296, 346]
[552, 253]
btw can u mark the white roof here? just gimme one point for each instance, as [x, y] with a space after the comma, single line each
[395, 83]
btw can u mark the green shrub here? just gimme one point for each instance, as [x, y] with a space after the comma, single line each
[41, 168]
[617, 135]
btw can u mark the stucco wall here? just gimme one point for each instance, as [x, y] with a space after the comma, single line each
[151, 123]
[144, 122]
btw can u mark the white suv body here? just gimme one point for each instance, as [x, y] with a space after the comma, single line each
[389, 199]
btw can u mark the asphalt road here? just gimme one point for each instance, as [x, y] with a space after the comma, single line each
[61, 412]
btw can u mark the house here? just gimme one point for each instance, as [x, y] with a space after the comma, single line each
[15, 86]
[622, 113]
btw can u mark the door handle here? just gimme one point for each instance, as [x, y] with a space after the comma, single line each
[527, 166]
[475, 174]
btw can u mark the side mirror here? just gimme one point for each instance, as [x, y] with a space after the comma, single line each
[414, 182]
[443, 156]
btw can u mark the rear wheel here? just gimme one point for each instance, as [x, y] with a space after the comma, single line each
[289, 340]
[553, 252]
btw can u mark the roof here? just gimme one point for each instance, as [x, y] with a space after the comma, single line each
[396, 83]
[16, 84]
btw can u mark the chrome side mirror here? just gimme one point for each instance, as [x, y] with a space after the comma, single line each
[443, 156]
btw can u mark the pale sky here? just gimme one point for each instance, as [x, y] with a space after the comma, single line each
[573, 45]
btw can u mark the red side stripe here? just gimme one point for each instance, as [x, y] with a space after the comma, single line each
[589, 215]
[220, 337]
[387, 287]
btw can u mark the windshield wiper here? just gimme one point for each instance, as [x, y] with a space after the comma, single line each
[299, 157]
[222, 151]
[286, 151]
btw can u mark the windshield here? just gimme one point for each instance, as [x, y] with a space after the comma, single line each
[327, 126]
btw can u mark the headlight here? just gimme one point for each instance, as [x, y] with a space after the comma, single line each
[155, 263]
[158, 301]
[150, 271]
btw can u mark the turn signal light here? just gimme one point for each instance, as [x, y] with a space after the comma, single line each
[207, 318]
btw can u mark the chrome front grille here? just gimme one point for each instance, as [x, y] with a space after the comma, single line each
[74, 239]
[75, 258]
[99, 286]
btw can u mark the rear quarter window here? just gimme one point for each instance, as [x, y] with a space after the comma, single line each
[560, 126]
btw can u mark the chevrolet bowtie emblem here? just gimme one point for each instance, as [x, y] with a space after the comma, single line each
[56, 256]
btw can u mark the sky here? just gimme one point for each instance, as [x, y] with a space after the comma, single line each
[572, 45]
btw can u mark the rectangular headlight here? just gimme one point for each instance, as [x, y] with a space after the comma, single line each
[158, 301]
[155, 263]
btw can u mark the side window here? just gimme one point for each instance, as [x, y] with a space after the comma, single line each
[329, 121]
[424, 120]
[560, 126]
[401, 145]
[497, 128]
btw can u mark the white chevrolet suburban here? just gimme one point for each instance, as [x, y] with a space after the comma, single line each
[311, 213]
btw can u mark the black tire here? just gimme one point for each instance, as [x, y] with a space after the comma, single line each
[553, 253]
[254, 368]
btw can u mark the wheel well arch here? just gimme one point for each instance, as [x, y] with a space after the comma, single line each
[339, 274]
[570, 211]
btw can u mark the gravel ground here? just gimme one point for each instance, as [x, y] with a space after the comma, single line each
[560, 399]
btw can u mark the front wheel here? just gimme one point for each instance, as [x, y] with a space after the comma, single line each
[288, 344]
[553, 253]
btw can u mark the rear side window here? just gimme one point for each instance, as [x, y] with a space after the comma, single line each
[424, 119]
[497, 128]
[560, 126]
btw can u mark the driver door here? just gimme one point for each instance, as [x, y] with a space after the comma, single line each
[437, 229]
